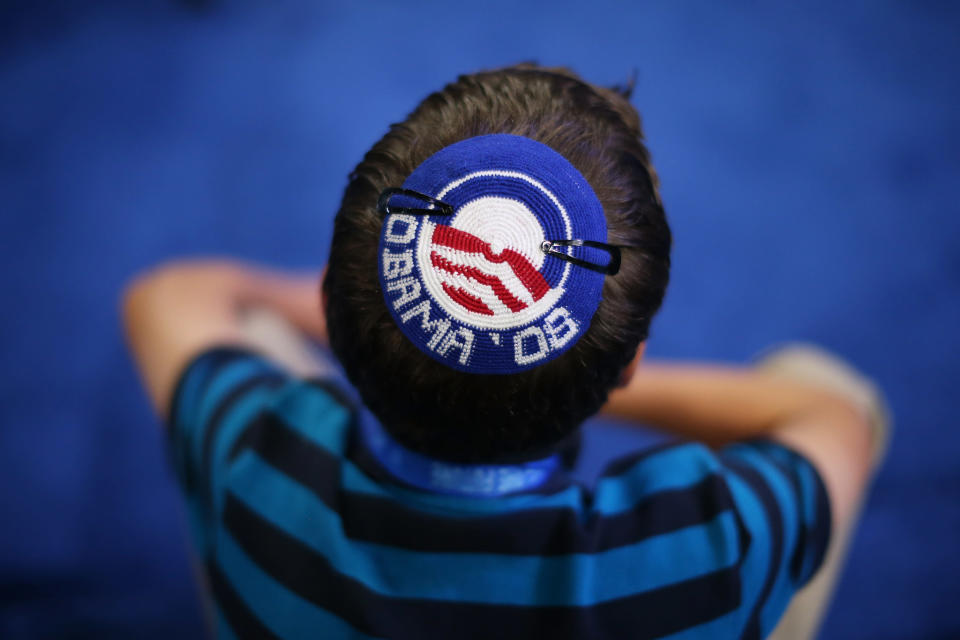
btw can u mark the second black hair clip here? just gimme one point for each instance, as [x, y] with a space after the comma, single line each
[611, 268]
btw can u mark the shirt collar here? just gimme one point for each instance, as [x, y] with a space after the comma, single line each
[451, 478]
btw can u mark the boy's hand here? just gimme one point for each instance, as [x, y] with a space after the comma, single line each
[179, 309]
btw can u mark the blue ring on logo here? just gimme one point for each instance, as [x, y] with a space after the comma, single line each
[504, 323]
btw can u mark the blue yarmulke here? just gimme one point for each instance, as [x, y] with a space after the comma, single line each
[473, 289]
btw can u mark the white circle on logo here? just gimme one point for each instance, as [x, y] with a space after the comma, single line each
[503, 223]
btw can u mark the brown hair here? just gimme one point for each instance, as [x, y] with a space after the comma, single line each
[468, 417]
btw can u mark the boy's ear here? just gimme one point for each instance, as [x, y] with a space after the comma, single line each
[631, 368]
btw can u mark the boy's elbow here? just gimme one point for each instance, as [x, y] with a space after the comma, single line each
[187, 294]
[167, 278]
[134, 296]
[139, 292]
[151, 290]
[859, 439]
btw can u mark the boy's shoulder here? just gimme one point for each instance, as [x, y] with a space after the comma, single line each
[279, 483]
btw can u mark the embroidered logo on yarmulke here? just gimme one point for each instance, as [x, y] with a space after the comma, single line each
[474, 289]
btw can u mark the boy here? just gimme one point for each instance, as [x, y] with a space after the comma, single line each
[496, 261]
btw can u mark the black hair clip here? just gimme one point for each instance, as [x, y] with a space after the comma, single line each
[547, 246]
[383, 204]
[611, 268]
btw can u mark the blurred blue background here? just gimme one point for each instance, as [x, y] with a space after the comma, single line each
[809, 159]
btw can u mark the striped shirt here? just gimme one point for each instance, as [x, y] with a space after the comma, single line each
[302, 535]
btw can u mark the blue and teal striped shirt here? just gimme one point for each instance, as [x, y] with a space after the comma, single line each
[302, 534]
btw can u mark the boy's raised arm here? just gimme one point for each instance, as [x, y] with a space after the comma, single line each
[177, 310]
[720, 405]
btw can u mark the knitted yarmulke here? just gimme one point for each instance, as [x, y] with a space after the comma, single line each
[475, 289]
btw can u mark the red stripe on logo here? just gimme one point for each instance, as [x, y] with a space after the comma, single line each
[534, 282]
[464, 299]
[493, 282]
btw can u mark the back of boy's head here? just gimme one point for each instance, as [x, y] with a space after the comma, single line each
[469, 417]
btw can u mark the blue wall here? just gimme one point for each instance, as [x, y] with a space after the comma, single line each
[809, 162]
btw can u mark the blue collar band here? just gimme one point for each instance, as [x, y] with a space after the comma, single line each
[450, 478]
